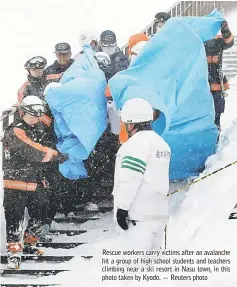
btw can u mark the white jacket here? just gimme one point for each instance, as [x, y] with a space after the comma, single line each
[141, 180]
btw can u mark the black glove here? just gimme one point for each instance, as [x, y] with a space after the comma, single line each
[122, 217]
[224, 27]
[61, 157]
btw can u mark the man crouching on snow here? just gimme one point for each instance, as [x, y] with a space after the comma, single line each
[141, 180]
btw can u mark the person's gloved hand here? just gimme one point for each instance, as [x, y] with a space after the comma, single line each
[224, 27]
[61, 157]
[122, 218]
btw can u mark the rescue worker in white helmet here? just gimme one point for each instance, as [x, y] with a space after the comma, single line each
[24, 183]
[141, 179]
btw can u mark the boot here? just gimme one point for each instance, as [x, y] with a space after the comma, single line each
[14, 255]
[43, 233]
[30, 241]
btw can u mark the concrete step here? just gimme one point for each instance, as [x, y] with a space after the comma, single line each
[230, 53]
[230, 76]
[230, 70]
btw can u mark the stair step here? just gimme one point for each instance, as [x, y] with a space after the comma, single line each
[58, 245]
[68, 232]
[75, 219]
[29, 285]
[31, 272]
[41, 258]
[230, 70]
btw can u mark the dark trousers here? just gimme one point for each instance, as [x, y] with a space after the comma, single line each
[15, 201]
[100, 166]
[219, 102]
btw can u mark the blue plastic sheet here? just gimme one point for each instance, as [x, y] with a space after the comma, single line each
[171, 73]
[80, 113]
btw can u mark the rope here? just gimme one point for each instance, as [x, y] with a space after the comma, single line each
[165, 236]
[201, 178]
[193, 182]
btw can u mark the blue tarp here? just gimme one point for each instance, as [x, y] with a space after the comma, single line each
[171, 73]
[80, 113]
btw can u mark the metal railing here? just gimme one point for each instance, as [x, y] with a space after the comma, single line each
[192, 8]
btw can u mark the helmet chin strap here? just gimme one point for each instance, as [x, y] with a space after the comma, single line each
[130, 132]
[146, 126]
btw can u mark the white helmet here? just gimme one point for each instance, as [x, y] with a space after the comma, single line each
[136, 110]
[86, 37]
[51, 85]
[136, 49]
[33, 105]
[103, 60]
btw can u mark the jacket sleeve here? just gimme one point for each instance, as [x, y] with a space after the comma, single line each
[130, 172]
[23, 145]
[228, 38]
[21, 92]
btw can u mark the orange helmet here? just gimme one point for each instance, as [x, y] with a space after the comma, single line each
[133, 40]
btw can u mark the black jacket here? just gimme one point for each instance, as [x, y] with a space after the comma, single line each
[24, 157]
[119, 62]
[56, 68]
[214, 51]
[35, 86]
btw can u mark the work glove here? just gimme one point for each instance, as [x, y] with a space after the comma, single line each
[60, 157]
[122, 218]
[224, 27]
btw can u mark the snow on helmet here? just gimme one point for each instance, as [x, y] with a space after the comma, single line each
[136, 110]
[37, 62]
[33, 105]
[103, 60]
[86, 37]
[51, 85]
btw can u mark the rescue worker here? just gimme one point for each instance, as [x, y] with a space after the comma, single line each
[63, 59]
[135, 44]
[141, 179]
[87, 38]
[217, 80]
[160, 19]
[24, 183]
[37, 78]
[108, 44]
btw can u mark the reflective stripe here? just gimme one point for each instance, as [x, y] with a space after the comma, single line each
[20, 93]
[46, 120]
[213, 59]
[49, 153]
[228, 40]
[31, 239]
[54, 76]
[217, 87]
[133, 164]
[137, 160]
[21, 185]
[14, 247]
[107, 92]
